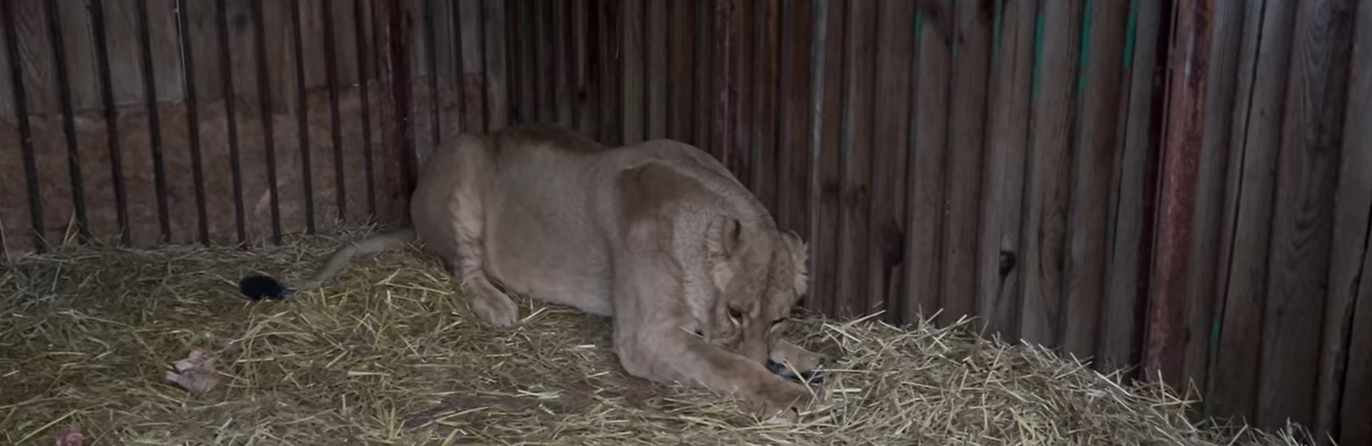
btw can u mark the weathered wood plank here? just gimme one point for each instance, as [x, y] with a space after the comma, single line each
[704, 83]
[999, 241]
[611, 26]
[741, 162]
[1339, 382]
[525, 76]
[585, 34]
[1215, 146]
[793, 148]
[472, 70]
[1307, 170]
[631, 64]
[767, 60]
[545, 55]
[1164, 341]
[1248, 206]
[1097, 132]
[681, 61]
[1050, 152]
[894, 109]
[856, 149]
[923, 248]
[657, 74]
[562, 63]
[497, 78]
[825, 205]
[972, 22]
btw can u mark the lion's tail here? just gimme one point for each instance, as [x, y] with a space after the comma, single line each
[371, 245]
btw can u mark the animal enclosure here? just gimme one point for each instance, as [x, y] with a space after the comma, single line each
[1183, 186]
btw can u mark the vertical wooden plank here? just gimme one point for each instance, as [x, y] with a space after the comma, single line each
[793, 201]
[84, 87]
[681, 60]
[741, 162]
[704, 83]
[1307, 170]
[547, 53]
[767, 55]
[928, 147]
[473, 66]
[521, 45]
[586, 35]
[856, 143]
[497, 83]
[79, 50]
[188, 69]
[611, 58]
[1248, 206]
[728, 29]
[1164, 343]
[302, 127]
[1131, 199]
[73, 155]
[1050, 155]
[1339, 382]
[972, 21]
[19, 92]
[657, 75]
[393, 60]
[631, 64]
[1220, 94]
[999, 244]
[825, 117]
[562, 61]
[1099, 100]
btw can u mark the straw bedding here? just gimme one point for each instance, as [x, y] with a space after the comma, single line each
[389, 354]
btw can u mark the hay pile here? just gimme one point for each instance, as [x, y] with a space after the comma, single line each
[389, 355]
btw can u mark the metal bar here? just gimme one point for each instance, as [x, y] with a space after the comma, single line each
[226, 68]
[362, 81]
[302, 127]
[265, 91]
[21, 108]
[1165, 338]
[192, 120]
[154, 124]
[331, 76]
[68, 126]
[102, 62]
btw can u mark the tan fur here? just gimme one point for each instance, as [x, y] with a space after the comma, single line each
[657, 235]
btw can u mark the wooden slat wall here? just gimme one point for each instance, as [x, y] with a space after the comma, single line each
[996, 159]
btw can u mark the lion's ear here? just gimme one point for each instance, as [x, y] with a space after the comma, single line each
[800, 257]
[722, 237]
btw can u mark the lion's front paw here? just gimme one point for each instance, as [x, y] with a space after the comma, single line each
[780, 398]
[495, 308]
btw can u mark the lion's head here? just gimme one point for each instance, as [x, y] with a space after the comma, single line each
[757, 275]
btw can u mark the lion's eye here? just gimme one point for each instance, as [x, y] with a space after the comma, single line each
[736, 314]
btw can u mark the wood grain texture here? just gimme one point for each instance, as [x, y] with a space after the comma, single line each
[704, 92]
[856, 142]
[741, 162]
[767, 60]
[1097, 133]
[893, 107]
[611, 58]
[1050, 155]
[681, 61]
[563, 61]
[999, 239]
[1338, 381]
[472, 70]
[1307, 171]
[1219, 112]
[793, 148]
[825, 203]
[973, 23]
[587, 70]
[1132, 197]
[1354, 412]
[657, 75]
[928, 163]
[497, 78]
[631, 64]
[1182, 140]
[1248, 205]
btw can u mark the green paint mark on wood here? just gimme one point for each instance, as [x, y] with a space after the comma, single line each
[1130, 31]
[1084, 59]
[1038, 56]
[995, 31]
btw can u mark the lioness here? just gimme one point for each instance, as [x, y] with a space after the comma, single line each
[658, 235]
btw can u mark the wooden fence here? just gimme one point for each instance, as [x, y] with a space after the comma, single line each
[1181, 185]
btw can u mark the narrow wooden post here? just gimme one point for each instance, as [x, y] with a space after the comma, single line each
[392, 29]
[728, 44]
[1164, 343]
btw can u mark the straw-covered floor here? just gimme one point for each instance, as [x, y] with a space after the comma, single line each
[389, 354]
